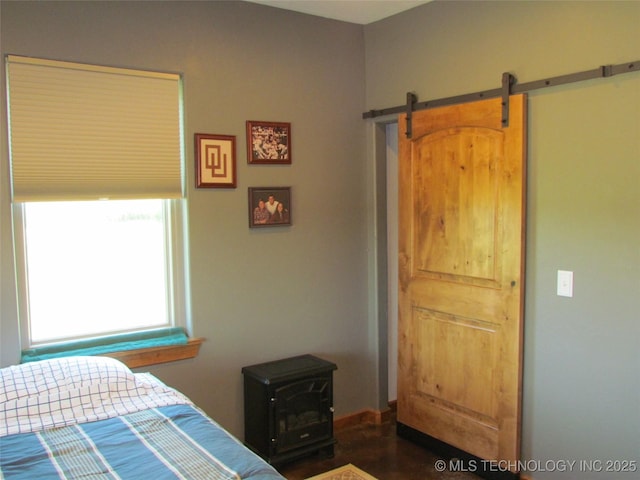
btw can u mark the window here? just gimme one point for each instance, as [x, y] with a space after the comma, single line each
[97, 187]
[94, 268]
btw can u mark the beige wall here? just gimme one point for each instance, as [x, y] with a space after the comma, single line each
[258, 294]
[581, 381]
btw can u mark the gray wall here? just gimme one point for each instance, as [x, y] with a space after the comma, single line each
[258, 294]
[244, 61]
[582, 366]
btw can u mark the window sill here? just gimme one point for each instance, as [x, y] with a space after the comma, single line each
[144, 357]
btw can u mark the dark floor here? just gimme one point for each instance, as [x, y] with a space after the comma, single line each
[377, 450]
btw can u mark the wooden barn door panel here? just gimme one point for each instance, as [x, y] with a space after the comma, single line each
[461, 242]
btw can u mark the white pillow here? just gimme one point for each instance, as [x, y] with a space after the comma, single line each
[63, 374]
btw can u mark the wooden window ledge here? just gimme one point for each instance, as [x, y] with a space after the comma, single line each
[144, 357]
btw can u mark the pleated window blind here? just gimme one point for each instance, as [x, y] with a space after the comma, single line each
[85, 132]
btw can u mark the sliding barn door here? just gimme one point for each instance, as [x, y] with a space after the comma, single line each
[461, 251]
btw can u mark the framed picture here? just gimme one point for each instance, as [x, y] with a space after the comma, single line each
[215, 161]
[268, 142]
[269, 206]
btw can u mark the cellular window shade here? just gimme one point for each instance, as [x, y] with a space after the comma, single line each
[82, 132]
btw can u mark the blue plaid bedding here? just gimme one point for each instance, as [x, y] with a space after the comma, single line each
[163, 443]
[93, 418]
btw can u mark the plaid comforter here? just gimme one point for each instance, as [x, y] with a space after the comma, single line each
[93, 418]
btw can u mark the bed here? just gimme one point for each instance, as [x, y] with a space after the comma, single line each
[92, 417]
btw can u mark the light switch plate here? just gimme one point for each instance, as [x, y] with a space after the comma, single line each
[565, 283]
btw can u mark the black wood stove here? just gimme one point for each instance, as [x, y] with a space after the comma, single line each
[288, 408]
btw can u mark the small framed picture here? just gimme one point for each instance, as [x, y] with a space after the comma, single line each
[215, 161]
[269, 206]
[268, 142]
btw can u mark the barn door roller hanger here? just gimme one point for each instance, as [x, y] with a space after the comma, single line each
[509, 87]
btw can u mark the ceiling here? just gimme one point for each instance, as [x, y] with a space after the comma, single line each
[354, 11]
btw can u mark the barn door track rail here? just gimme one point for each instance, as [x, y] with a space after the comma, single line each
[509, 87]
